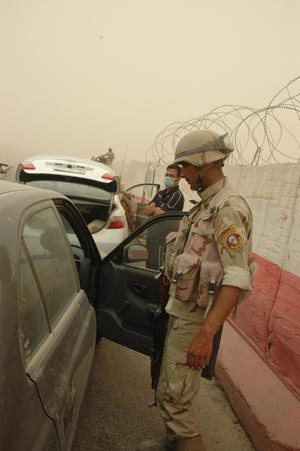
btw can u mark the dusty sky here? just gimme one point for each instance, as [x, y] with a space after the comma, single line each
[78, 76]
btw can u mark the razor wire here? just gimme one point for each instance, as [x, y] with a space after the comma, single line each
[268, 135]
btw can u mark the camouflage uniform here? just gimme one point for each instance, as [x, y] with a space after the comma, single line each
[211, 249]
[218, 243]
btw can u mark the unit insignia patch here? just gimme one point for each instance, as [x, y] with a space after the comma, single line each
[232, 239]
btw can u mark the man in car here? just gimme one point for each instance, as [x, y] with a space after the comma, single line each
[208, 270]
[166, 200]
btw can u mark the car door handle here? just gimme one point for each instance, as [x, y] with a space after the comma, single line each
[154, 309]
[140, 290]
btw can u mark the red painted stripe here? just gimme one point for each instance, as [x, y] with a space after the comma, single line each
[270, 320]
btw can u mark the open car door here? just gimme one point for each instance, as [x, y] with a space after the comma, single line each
[128, 297]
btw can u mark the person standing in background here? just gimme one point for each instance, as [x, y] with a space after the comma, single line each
[170, 198]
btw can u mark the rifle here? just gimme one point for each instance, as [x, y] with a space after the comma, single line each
[160, 327]
[160, 332]
[209, 370]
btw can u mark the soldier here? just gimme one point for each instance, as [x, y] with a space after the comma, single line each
[208, 268]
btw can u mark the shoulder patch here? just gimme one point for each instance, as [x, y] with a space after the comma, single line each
[232, 239]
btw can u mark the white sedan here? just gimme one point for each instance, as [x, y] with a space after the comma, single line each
[93, 188]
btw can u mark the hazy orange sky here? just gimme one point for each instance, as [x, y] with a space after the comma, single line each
[78, 76]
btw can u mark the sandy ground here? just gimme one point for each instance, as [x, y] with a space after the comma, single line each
[115, 413]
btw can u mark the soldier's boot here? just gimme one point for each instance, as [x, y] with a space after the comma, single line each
[190, 444]
[153, 445]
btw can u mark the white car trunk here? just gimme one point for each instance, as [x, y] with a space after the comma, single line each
[95, 214]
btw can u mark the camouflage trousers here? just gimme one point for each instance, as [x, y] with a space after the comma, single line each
[178, 385]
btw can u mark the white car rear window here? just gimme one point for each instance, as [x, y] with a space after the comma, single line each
[70, 189]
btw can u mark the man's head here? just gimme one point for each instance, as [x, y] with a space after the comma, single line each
[172, 176]
[201, 154]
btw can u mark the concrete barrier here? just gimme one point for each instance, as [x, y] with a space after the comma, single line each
[259, 363]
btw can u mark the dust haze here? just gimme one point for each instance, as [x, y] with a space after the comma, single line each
[80, 76]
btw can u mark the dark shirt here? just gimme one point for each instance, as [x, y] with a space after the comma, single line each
[172, 200]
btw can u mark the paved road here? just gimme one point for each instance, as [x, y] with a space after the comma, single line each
[115, 415]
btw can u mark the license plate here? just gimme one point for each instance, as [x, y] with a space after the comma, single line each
[66, 168]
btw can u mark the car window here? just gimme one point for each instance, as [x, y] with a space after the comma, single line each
[81, 250]
[70, 189]
[51, 259]
[146, 250]
[143, 193]
[76, 246]
[33, 327]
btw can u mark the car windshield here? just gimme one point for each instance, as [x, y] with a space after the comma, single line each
[70, 189]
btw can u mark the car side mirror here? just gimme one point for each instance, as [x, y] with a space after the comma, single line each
[135, 253]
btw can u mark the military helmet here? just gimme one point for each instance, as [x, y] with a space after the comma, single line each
[202, 147]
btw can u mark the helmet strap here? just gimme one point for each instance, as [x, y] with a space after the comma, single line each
[198, 185]
[203, 174]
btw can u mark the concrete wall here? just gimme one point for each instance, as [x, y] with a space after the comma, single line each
[270, 319]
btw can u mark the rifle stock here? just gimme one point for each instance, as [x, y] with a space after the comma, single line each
[209, 370]
[160, 332]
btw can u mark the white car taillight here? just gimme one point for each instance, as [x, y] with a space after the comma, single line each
[108, 176]
[28, 166]
[116, 222]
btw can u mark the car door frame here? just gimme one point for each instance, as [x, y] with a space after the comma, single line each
[128, 298]
[64, 411]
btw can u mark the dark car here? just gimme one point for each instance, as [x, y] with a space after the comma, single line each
[55, 291]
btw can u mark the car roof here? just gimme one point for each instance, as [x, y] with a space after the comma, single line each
[36, 193]
[10, 187]
[15, 199]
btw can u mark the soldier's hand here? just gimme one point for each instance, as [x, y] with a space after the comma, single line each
[199, 351]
